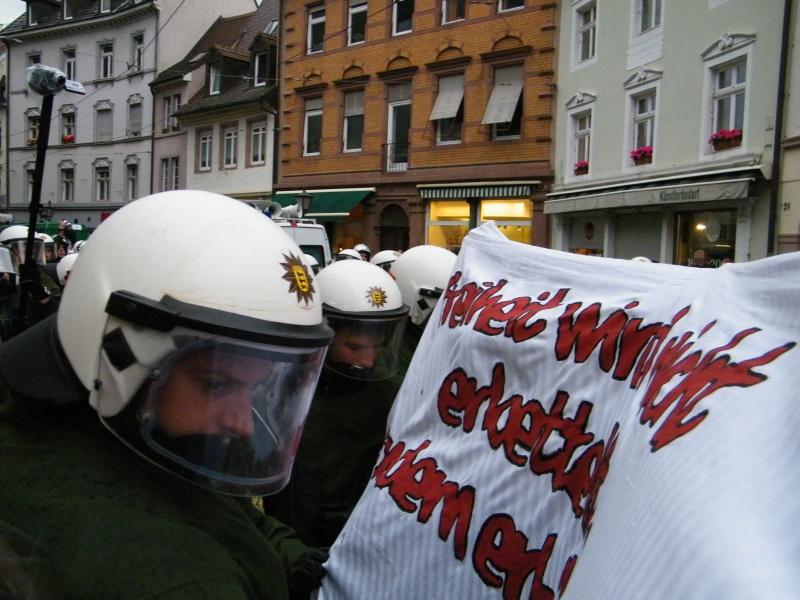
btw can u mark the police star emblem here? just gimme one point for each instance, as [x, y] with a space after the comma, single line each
[376, 296]
[300, 281]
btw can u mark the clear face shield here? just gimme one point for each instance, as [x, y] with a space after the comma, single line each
[223, 413]
[17, 248]
[365, 348]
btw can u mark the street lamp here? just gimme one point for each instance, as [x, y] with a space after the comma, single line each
[304, 200]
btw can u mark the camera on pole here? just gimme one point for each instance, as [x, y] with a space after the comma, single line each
[48, 81]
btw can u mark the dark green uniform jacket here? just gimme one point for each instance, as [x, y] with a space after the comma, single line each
[89, 518]
[341, 441]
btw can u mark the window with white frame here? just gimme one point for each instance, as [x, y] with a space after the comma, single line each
[67, 124]
[169, 174]
[644, 119]
[730, 95]
[399, 121]
[135, 118]
[648, 13]
[504, 5]
[131, 181]
[102, 183]
[582, 140]
[67, 184]
[586, 28]
[68, 63]
[357, 22]
[230, 139]
[32, 126]
[137, 52]
[316, 30]
[312, 126]
[402, 16]
[171, 105]
[29, 173]
[34, 59]
[32, 20]
[104, 122]
[67, 9]
[260, 69]
[448, 114]
[106, 63]
[205, 152]
[105, 6]
[504, 109]
[214, 79]
[453, 10]
[353, 126]
[258, 143]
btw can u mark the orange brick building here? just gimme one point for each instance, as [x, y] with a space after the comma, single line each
[411, 121]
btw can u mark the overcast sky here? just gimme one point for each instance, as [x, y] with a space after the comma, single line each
[10, 10]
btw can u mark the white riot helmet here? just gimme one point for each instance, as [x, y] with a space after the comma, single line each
[64, 267]
[347, 254]
[209, 379]
[362, 303]
[363, 250]
[7, 261]
[15, 238]
[643, 259]
[312, 262]
[78, 245]
[384, 259]
[422, 273]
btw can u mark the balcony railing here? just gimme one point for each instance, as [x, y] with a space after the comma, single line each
[395, 157]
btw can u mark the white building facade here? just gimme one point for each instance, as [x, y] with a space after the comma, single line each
[664, 129]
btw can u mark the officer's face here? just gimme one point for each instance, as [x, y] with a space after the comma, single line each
[356, 348]
[210, 393]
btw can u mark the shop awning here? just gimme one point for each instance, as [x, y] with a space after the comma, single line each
[327, 205]
[483, 190]
[654, 194]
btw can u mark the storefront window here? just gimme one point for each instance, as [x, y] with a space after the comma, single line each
[705, 239]
[512, 217]
[448, 223]
[449, 220]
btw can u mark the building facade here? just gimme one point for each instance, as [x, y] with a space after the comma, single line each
[99, 155]
[3, 122]
[665, 128]
[413, 121]
[788, 226]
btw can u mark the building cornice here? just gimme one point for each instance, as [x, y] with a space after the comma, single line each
[70, 27]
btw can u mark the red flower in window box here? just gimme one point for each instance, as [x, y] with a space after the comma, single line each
[724, 139]
[582, 167]
[68, 138]
[642, 155]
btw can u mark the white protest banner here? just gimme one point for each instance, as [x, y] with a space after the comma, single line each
[589, 428]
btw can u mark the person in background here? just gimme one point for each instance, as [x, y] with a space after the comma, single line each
[346, 254]
[384, 259]
[347, 422]
[146, 413]
[363, 250]
[422, 273]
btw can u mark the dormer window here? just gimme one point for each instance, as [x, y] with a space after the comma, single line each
[260, 69]
[105, 6]
[67, 9]
[214, 78]
[32, 20]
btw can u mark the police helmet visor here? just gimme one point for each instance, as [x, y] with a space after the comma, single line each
[365, 347]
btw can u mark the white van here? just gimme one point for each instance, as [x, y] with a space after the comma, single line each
[310, 236]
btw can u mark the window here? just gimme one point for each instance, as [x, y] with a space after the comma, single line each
[67, 9]
[582, 126]
[171, 105]
[67, 185]
[106, 61]
[104, 122]
[169, 174]
[316, 30]
[447, 113]
[260, 69]
[312, 129]
[271, 28]
[586, 29]
[135, 119]
[105, 6]
[649, 13]
[453, 10]
[31, 14]
[32, 125]
[399, 125]
[34, 59]
[214, 78]
[644, 119]
[730, 89]
[68, 126]
[137, 52]
[402, 16]
[357, 22]
[206, 144]
[102, 180]
[510, 5]
[258, 143]
[504, 109]
[230, 143]
[353, 120]
[29, 171]
[68, 62]
[131, 182]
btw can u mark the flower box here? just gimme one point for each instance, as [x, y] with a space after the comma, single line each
[725, 139]
[642, 155]
[581, 167]
[68, 138]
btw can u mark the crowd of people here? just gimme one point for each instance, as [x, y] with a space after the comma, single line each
[155, 416]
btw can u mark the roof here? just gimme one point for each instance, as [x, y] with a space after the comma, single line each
[82, 13]
[239, 93]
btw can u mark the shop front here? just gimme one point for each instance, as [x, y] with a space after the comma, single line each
[700, 219]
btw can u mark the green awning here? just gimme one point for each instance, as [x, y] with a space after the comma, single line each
[327, 205]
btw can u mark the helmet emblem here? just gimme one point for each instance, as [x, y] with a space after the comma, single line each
[300, 281]
[376, 296]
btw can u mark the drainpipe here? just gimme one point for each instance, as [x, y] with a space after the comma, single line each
[776, 144]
